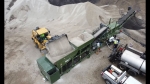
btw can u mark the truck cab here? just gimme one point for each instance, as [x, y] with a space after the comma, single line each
[113, 75]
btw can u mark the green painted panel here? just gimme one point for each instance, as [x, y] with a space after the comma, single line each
[45, 63]
[55, 76]
[64, 60]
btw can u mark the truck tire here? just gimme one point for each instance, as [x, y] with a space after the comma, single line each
[132, 73]
[107, 81]
[111, 60]
[122, 67]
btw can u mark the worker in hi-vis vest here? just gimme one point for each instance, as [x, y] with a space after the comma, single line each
[115, 43]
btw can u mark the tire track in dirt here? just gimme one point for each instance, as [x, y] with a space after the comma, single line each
[11, 47]
[18, 77]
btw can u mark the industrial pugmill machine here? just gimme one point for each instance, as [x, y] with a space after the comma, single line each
[53, 65]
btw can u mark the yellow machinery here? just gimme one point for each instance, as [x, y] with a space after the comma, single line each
[40, 36]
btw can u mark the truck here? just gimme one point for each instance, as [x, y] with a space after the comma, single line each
[113, 75]
[129, 59]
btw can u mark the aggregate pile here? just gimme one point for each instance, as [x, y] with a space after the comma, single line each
[72, 19]
[59, 49]
[81, 39]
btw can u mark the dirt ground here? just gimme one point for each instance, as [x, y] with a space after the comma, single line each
[25, 70]
[21, 54]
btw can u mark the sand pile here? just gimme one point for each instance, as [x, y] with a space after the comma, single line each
[81, 39]
[72, 19]
[58, 49]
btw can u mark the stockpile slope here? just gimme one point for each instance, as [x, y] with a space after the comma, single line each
[72, 19]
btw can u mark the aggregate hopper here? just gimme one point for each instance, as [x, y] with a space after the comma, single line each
[84, 44]
[65, 54]
[58, 47]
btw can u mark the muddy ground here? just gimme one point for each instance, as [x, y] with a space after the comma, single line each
[21, 54]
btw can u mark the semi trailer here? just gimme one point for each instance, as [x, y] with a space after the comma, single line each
[54, 65]
[129, 59]
[113, 75]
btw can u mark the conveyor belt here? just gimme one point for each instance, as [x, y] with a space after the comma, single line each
[125, 17]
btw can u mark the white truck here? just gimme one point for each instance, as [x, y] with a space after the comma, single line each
[113, 75]
[129, 59]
